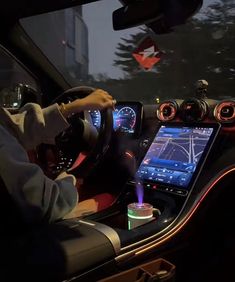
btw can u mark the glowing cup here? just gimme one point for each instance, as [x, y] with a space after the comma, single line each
[139, 214]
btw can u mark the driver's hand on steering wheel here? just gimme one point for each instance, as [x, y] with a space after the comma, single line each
[97, 100]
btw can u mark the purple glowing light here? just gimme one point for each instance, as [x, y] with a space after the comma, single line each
[140, 205]
[139, 192]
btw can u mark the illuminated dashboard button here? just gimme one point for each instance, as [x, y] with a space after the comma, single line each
[181, 192]
[96, 118]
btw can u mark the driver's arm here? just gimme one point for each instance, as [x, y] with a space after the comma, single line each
[37, 196]
[34, 125]
[97, 100]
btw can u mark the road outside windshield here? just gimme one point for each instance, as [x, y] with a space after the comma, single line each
[83, 46]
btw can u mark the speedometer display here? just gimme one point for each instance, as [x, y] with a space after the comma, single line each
[124, 119]
[127, 117]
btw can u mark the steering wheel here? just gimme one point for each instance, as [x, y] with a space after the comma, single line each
[82, 136]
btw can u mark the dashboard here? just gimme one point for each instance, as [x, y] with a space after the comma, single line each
[127, 117]
[197, 110]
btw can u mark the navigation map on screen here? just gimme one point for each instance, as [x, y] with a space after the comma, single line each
[174, 154]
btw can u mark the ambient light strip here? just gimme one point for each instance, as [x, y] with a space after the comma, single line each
[180, 225]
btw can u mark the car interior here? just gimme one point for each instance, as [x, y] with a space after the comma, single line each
[160, 166]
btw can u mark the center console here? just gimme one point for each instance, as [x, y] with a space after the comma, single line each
[164, 179]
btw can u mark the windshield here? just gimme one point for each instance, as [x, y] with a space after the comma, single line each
[83, 46]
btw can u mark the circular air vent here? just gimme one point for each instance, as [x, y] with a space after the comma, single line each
[193, 109]
[225, 111]
[167, 110]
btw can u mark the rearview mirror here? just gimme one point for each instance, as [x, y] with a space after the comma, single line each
[137, 13]
[159, 15]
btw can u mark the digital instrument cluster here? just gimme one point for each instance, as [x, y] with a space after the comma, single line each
[127, 117]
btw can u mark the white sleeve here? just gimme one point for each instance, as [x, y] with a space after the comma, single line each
[34, 125]
[37, 196]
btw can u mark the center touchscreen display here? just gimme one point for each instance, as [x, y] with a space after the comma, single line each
[176, 154]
